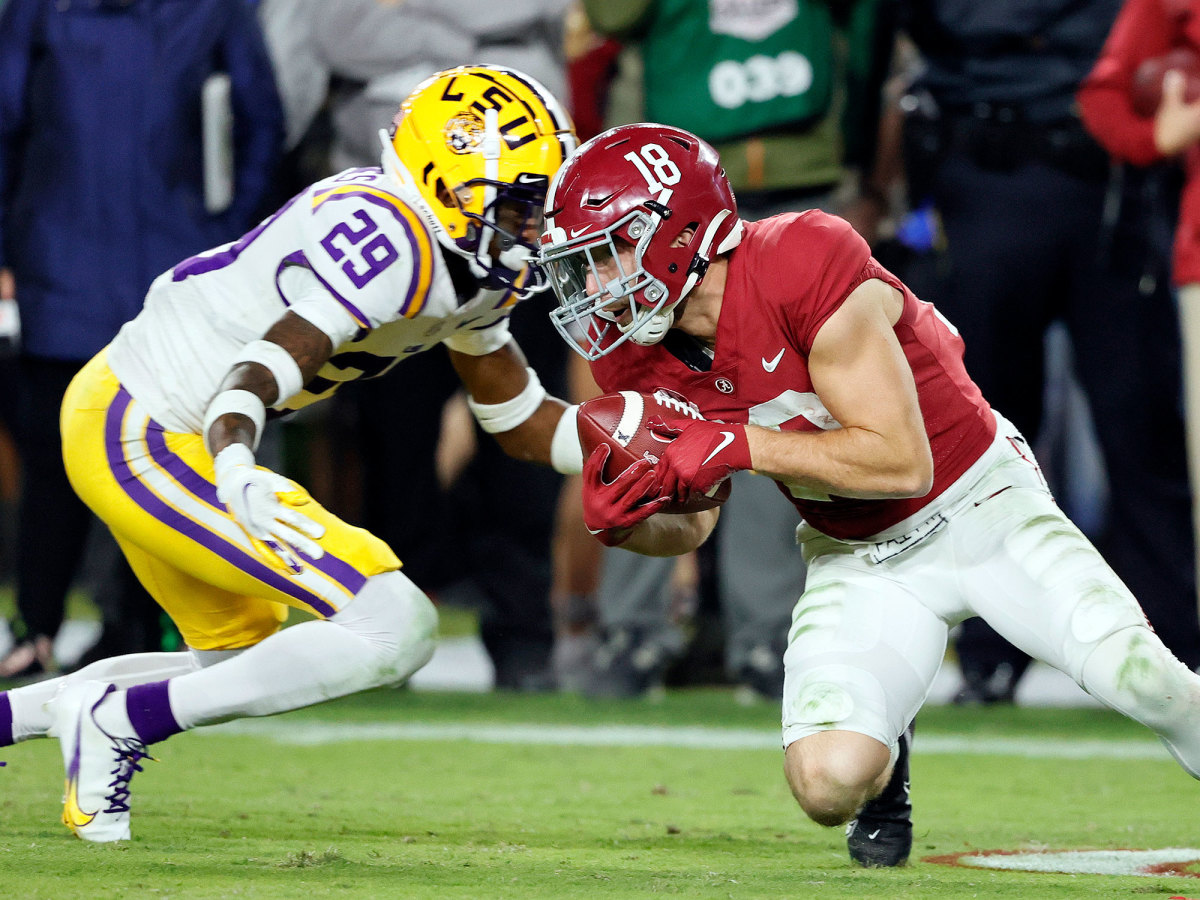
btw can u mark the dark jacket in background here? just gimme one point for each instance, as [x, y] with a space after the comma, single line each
[100, 153]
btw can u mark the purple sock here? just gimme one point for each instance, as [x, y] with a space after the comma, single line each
[149, 708]
[6, 735]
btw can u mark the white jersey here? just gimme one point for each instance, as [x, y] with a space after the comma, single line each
[349, 254]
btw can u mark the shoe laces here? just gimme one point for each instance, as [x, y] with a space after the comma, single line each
[129, 754]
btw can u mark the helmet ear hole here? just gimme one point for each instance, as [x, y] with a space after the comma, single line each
[445, 197]
[686, 234]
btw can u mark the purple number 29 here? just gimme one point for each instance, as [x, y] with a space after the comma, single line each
[375, 255]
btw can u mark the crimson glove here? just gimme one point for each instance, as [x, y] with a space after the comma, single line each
[700, 455]
[612, 509]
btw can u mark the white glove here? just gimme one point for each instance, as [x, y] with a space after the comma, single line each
[251, 495]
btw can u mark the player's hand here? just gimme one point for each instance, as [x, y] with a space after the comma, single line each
[251, 494]
[612, 509]
[700, 455]
[1177, 122]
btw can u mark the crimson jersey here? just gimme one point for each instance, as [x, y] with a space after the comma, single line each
[789, 274]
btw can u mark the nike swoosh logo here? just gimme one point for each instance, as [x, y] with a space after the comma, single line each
[726, 440]
[874, 834]
[575, 232]
[72, 816]
[770, 366]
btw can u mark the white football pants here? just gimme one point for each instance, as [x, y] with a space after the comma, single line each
[870, 631]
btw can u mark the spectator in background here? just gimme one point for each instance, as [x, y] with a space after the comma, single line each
[464, 543]
[382, 50]
[1147, 40]
[102, 187]
[788, 91]
[1037, 230]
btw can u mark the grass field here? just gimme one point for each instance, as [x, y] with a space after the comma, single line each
[405, 794]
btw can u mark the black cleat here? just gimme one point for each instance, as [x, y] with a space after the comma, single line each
[881, 836]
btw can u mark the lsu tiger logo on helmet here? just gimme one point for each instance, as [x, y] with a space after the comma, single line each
[478, 145]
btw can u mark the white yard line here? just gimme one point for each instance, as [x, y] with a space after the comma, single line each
[687, 737]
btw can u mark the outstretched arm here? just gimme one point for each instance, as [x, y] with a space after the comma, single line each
[510, 403]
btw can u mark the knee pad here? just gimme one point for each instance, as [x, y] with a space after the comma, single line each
[834, 696]
[822, 703]
[1104, 609]
[397, 619]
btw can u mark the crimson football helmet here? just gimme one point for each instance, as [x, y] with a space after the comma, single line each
[641, 186]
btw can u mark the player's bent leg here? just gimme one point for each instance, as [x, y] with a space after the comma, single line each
[832, 774]
[1050, 592]
[1134, 673]
[380, 638]
[862, 653]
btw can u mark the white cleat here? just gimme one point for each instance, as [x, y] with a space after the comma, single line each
[98, 762]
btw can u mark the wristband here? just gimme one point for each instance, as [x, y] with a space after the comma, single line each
[496, 417]
[244, 403]
[566, 453]
[281, 364]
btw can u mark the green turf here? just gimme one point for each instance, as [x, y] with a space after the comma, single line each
[229, 815]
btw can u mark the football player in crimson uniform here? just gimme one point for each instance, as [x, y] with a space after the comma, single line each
[920, 505]
[160, 429]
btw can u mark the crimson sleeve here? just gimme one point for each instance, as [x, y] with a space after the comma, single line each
[1142, 31]
[822, 259]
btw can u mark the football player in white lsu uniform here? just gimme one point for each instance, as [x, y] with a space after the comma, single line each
[160, 429]
[921, 506]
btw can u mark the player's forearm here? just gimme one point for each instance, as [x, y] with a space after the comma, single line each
[267, 371]
[241, 427]
[846, 462]
[671, 535]
[531, 440]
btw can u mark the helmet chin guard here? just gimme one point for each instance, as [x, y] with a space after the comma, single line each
[648, 202]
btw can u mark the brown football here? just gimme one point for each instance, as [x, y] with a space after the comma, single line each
[619, 420]
[1145, 90]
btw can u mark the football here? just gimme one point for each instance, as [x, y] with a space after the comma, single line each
[1146, 88]
[619, 420]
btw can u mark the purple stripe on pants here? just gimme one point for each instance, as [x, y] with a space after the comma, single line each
[337, 569]
[151, 503]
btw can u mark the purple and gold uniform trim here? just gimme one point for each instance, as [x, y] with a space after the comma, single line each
[418, 240]
[172, 492]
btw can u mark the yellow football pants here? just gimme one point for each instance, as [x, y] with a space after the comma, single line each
[155, 490]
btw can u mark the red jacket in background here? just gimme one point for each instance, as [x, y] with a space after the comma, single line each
[1146, 29]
